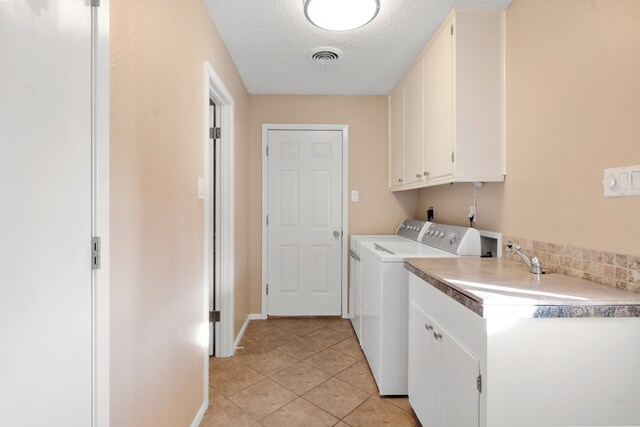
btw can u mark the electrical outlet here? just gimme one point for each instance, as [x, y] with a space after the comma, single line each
[355, 195]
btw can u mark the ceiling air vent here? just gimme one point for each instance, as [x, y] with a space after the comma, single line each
[324, 55]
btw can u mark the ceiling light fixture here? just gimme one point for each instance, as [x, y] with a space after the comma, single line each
[341, 15]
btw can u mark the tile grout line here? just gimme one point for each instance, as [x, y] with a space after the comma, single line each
[333, 327]
[270, 378]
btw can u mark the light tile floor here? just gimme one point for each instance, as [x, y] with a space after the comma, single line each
[299, 372]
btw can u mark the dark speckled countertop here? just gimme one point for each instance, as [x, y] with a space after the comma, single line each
[496, 287]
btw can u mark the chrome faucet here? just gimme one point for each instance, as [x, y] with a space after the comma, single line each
[532, 261]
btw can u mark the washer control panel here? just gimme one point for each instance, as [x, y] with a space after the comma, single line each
[453, 239]
[412, 229]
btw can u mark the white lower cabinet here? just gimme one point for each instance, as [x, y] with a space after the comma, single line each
[443, 375]
[534, 372]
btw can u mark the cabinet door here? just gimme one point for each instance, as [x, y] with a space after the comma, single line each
[438, 105]
[396, 137]
[413, 125]
[425, 368]
[460, 395]
[442, 375]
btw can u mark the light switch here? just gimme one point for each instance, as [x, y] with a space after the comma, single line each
[201, 188]
[623, 179]
[622, 182]
[355, 195]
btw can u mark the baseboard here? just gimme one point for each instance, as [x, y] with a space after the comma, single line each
[250, 317]
[236, 343]
[255, 316]
[198, 419]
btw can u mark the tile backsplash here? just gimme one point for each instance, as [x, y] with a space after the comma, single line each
[611, 269]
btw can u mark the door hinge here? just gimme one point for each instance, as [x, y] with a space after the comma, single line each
[452, 156]
[479, 383]
[452, 30]
[95, 3]
[267, 289]
[96, 249]
[214, 316]
[215, 133]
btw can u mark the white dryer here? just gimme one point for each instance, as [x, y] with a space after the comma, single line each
[408, 231]
[385, 297]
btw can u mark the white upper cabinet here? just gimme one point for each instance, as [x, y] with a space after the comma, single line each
[453, 106]
[438, 106]
[413, 125]
[396, 134]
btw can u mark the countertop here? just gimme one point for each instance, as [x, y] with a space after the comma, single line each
[497, 287]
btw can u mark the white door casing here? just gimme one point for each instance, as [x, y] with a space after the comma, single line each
[214, 89]
[54, 175]
[213, 228]
[304, 236]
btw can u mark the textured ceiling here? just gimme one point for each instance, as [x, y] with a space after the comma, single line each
[269, 39]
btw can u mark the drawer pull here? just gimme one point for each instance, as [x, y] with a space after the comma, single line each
[428, 327]
[437, 336]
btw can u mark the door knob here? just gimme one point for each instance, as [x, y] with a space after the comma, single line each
[336, 234]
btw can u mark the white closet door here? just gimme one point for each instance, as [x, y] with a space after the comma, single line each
[45, 214]
[305, 222]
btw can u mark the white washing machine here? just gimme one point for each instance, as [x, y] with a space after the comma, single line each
[385, 297]
[408, 231]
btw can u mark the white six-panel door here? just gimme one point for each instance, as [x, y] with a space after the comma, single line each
[45, 214]
[304, 206]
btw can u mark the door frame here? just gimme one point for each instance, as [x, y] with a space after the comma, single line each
[266, 127]
[100, 279]
[217, 91]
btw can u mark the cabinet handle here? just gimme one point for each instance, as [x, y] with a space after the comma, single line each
[428, 327]
[400, 180]
[418, 175]
[437, 336]
[425, 173]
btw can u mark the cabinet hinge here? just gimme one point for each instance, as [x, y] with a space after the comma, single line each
[479, 383]
[214, 316]
[95, 3]
[452, 156]
[267, 151]
[215, 133]
[267, 289]
[452, 30]
[96, 250]
[267, 220]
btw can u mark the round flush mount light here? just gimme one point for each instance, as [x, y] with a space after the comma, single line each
[341, 15]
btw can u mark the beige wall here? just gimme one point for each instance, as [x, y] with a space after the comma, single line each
[573, 96]
[158, 49]
[573, 108]
[378, 211]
